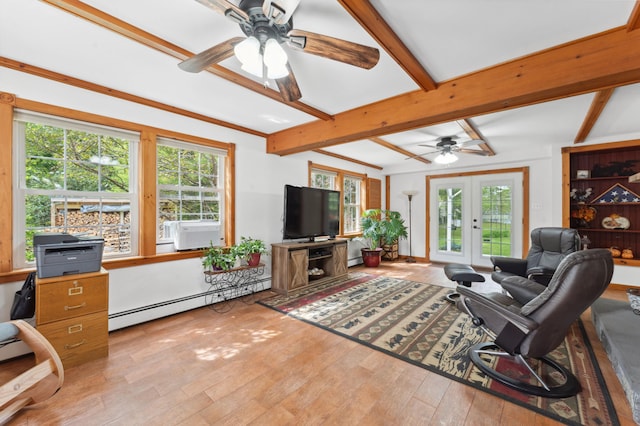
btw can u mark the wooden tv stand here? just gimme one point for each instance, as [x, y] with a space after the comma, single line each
[290, 263]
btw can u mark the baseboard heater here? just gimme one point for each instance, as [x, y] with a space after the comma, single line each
[166, 308]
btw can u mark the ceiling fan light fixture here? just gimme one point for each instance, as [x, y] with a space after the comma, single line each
[446, 158]
[275, 58]
[248, 53]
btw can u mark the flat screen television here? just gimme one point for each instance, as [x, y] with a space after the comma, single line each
[310, 212]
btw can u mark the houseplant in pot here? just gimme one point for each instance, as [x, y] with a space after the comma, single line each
[372, 231]
[394, 229]
[218, 259]
[251, 250]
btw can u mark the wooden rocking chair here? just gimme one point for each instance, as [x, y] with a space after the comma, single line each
[38, 383]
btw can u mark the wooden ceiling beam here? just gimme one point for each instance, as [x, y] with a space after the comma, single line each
[345, 158]
[76, 82]
[634, 19]
[472, 131]
[597, 106]
[125, 29]
[597, 62]
[376, 26]
[409, 154]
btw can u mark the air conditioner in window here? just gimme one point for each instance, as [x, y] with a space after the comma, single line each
[188, 235]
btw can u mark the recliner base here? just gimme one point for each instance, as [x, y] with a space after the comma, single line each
[568, 386]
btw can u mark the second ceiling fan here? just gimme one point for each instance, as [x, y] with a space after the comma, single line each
[268, 24]
[446, 147]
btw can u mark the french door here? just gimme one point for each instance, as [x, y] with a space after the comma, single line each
[475, 217]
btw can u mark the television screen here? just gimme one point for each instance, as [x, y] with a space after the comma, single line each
[310, 212]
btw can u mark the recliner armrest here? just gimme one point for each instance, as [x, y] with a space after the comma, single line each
[522, 289]
[540, 274]
[495, 308]
[510, 264]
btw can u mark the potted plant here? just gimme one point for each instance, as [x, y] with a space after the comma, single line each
[251, 249]
[218, 259]
[372, 231]
[393, 230]
[382, 229]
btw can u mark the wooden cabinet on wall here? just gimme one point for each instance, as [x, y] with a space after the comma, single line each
[72, 313]
[291, 263]
[598, 198]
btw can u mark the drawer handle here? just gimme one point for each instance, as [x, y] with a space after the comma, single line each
[75, 291]
[69, 308]
[75, 345]
[74, 329]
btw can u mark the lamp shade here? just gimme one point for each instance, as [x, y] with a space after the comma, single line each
[446, 158]
[275, 58]
[248, 53]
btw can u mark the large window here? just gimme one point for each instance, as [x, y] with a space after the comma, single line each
[190, 184]
[74, 178]
[352, 189]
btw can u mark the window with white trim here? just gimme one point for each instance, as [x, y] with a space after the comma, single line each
[352, 205]
[190, 184]
[76, 178]
[351, 188]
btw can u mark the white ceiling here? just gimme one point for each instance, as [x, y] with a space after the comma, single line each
[448, 37]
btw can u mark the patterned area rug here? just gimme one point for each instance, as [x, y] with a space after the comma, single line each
[413, 322]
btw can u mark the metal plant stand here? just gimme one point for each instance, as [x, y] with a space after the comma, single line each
[228, 286]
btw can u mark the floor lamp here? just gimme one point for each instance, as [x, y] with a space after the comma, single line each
[410, 193]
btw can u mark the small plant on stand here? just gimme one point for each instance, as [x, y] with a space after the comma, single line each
[218, 259]
[251, 249]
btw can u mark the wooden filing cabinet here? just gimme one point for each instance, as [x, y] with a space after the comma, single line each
[72, 313]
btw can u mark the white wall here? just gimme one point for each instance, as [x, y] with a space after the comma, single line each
[545, 202]
[143, 291]
[260, 180]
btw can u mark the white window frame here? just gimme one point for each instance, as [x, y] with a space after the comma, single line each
[21, 191]
[337, 177]
[220, 189]
[357, 204]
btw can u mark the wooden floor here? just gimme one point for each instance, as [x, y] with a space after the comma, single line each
[253, 365]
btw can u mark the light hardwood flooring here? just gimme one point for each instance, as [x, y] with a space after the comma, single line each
[253, 365]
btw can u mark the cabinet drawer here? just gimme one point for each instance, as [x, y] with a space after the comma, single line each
[80, 339]
[71, 298]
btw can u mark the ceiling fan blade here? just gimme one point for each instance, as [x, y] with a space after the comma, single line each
[420, 155]
[471, 142]
[335, 48]
[473, 151]
[288, 87]
[427, 145]
[227, 9]
[212, 55]
[279, 10]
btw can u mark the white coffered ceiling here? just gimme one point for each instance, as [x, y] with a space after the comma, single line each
[449, 38]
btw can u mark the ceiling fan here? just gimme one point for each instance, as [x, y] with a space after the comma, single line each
[446, 147]
[267, 25]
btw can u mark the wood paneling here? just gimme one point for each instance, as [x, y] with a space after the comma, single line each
[374, 194]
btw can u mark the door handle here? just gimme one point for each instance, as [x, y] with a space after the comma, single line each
[476, 227]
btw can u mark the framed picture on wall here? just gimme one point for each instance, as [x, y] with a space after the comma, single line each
[583, 174]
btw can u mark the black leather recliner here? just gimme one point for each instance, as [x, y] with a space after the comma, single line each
[549, 246]
[527, 333]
